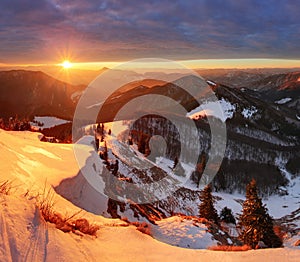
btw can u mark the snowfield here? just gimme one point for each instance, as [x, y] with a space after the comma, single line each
[184, 233]
[47, 121]
[222, 109]
[34, 166]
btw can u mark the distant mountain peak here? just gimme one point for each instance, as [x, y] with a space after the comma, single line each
[31, 93]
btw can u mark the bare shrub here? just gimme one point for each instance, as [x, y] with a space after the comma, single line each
[125, 219]
[142, 227]
[45, 203]
[85, 227]
[230, 248]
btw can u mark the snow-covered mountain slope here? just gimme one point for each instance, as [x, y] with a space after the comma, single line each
[283, 90]
[259, 133]
[208, 109]
[26, 237]
[33, 166]
[184, 200]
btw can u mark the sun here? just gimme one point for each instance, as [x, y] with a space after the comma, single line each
[66, 64]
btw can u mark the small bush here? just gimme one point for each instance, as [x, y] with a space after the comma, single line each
[227, 216]
[46, 203]
[230, 248]
[125, 219]
[85, 227]
[142, 227]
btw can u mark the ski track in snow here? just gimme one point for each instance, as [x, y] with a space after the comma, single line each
[7, 238]
[37, 246]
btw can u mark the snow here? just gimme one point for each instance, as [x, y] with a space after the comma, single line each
[34, 166]
[95, 105]
[213, 109]
[37, 150]
[249, 112]
[48, 121]
[283, 101]
[211, 83]
[279, 206]
[117, 127]
[181, 232]
[229, 241]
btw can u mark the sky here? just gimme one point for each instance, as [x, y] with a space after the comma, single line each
[212, 31]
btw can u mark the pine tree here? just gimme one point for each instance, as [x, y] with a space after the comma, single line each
[115, 168]
[206, 207]
[142, 144]
[96, 142]
[105, 153]
[227, 216]
[255, 222]
[197, 174]
[98, 128]
[175, 162]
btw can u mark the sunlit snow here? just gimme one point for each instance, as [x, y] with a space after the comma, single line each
[33, 165]
[47, 121]
[221, 109]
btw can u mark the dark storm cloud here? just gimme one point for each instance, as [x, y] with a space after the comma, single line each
[117, 30]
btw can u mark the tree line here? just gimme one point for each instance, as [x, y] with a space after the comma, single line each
[255, 225]
[15, 124]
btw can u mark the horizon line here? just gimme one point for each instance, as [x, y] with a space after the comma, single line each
[196, 64]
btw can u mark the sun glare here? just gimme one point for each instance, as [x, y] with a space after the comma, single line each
[66, 64]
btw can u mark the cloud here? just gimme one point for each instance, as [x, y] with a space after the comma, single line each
[122, 30]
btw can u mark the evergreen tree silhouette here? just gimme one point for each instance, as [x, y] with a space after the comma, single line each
[105, 152]
[96, 142]
[227, 216]
[206, 207]
[197, 174]
[255, 222]
[142, 143]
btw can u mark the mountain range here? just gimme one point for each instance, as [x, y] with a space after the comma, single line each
[262, 121]
[31, 93]
[262, 124]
